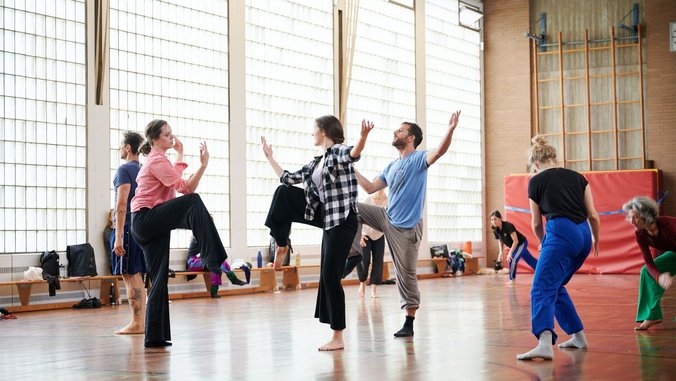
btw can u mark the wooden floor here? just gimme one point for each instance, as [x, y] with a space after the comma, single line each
[468, 328]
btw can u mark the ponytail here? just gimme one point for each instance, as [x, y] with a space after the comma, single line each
[153, 131]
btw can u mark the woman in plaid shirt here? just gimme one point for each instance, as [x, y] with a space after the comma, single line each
[329, 200]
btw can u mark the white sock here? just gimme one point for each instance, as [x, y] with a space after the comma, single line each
[542, 351]
[579, 341]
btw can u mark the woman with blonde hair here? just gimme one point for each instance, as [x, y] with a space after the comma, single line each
[658, 232]
[565, 199]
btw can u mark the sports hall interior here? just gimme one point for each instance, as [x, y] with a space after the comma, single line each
[596, 77]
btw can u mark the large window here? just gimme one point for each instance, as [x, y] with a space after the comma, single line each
[453, 83]
[382, 88]
[42, 125]
[289, 82]
[169, 60]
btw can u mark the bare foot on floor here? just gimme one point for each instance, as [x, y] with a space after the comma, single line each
[361, 292]
[647, 324]
[280, 256]
[130, 329]
[333, 345]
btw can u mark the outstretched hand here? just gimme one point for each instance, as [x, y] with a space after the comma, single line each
[204, 154]
[267, 148]
[453, 122]
[366, 127]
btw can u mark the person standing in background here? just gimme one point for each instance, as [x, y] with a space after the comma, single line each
[373, 243]
[126, 257]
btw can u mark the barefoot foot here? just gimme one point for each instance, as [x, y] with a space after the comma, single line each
[131, 329]
[280, 256]
[333, 345]
[647, 324]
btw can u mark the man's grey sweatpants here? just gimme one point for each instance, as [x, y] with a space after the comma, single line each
[403, 244]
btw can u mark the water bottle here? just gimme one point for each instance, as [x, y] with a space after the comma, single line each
[297, 259]
[62, 271]
[259, 259]
[112, 296]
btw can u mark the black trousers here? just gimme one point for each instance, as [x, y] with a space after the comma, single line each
[288, 206]
[336, 243]
[152, 230]
[373, 250]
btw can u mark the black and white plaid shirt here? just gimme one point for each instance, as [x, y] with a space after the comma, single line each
[339, 182]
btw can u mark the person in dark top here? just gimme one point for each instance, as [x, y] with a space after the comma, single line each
[565, 199]
[506, 234]
[658, 232]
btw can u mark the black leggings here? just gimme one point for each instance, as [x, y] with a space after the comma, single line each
[373, 250]
[152, 230]
[288, 206]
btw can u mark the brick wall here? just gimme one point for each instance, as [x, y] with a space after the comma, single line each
[508, 98]
[507, 101]
[661, 94]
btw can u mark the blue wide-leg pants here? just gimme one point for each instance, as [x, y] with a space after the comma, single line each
[565, 247]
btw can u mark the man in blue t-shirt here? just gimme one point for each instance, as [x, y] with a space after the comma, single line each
[126, 256]
[401, 222]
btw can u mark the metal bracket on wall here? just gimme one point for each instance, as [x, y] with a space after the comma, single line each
[539, 39]
[633, 29]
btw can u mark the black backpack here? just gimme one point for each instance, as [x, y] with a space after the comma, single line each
[49, 262]
[81, 260]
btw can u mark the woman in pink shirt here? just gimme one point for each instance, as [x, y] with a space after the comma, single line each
[156, 211]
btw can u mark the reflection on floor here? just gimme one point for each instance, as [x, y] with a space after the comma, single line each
[468, 328]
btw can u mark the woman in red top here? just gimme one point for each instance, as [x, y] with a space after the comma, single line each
[156, 211]
[656, 276]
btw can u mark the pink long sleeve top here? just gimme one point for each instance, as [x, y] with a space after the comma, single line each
[158, 181]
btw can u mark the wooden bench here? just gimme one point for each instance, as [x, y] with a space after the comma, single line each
[267, 279]
[25, 290]
[291, 276]
[471, 266]
[267, 282]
